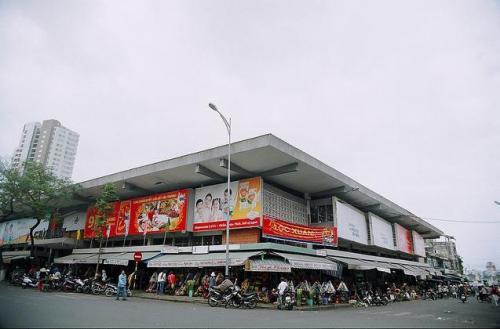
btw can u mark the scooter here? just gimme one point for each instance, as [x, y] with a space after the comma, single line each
[28, 282]
[217, 297]
[287, 301]
[112, 290]
[463, 297]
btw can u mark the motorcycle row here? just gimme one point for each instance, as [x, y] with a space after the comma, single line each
[232, 297]
[66, 283]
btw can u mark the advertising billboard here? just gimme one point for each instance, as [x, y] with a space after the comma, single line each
[17, 231]
[273, 227]
[123, 222]
[213, 203]
[403, 239]
[158, 213]
[381, 234]
[351, 222]
[92, 213]
[418, 244]
[74, 222]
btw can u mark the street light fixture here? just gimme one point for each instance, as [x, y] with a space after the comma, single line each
[228, 215]
[497, 202]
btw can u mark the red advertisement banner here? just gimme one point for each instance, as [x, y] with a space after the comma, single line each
[313, 234]
[158, 213]
[221, 225]
[123, 222]
[403, 239]
[92, 212]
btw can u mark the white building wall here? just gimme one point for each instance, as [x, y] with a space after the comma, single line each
[25, 148]
[62, 152]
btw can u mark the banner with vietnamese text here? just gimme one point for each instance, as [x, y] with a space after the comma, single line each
[313, 234]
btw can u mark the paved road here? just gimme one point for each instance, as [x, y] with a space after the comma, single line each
[29, 308]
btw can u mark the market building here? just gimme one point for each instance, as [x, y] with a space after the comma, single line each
[290, 213]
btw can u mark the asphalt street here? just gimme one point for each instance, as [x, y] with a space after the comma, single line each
[30, 308]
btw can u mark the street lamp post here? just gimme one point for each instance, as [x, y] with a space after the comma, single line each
[228, 215]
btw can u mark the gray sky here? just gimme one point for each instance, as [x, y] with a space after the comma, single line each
[401, 96]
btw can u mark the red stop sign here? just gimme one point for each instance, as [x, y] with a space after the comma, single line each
[137, 256]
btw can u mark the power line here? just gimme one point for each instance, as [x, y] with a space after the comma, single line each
[462, 221]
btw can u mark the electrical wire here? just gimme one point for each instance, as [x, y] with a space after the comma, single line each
[461, 221]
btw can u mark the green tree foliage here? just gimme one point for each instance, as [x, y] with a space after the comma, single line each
[105, 209]
[34, 192]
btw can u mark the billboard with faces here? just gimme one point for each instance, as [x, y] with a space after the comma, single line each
[243, 202]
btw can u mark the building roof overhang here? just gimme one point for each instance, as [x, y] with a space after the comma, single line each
[278, 162]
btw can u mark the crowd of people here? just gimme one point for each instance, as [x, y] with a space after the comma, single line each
[306, 289]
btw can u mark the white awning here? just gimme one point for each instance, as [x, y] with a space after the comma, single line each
[123, 258]
[268, 265]
[9, 256]
[356, 264]
[72, 259]
[308, 262]
[202, 260]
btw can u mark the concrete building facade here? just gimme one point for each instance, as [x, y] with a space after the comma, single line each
[50, 144]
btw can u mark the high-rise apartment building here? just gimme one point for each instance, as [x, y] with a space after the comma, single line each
[50, 144]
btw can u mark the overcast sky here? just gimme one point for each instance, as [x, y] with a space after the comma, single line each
[401, 96]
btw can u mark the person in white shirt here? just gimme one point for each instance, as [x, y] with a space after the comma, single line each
[162, 276]
[281, 289]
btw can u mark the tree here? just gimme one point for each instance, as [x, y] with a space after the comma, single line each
[104, 209]
[34, 192]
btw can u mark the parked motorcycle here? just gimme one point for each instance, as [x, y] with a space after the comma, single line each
[112, 290]
[69, 285]
[28, 282]
[484, 298]
[217, 297]
[238, 299]
[379, 301]
[98, 288]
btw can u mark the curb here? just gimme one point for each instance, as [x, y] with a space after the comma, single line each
[260, 306]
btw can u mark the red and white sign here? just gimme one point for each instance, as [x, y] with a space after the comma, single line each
[138, 256]
[314, 234]
[403, 239]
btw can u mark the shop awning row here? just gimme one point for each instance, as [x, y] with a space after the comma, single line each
[111, 258]
[308, 262]
[365, 265]
[9, 256]
[201, 260]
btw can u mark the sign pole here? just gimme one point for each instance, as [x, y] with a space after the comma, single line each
[165, 237]
[135, 273]
[137, 258]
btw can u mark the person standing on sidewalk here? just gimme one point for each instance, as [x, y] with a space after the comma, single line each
[211, 281]
[172, 280]
[122, 285]
[162, 276]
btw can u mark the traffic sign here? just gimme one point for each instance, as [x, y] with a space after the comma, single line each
[137, 256]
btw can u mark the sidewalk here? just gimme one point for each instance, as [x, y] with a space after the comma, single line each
[201, 300]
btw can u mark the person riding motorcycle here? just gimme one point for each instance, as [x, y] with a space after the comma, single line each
[281, 290]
